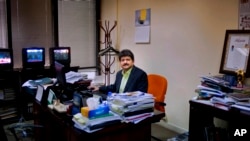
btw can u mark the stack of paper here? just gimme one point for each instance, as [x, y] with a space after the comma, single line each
[72, 77]
[131, 104]
[213, 86]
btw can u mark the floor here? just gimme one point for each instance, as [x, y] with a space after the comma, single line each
[158, 131]
[161, 133]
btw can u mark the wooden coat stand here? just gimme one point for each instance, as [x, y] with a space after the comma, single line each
[108, 52]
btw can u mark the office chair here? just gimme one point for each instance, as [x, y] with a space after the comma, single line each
[157, 86]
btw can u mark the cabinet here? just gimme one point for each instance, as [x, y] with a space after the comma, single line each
[9, 95]
[14, 103]
[201, 117]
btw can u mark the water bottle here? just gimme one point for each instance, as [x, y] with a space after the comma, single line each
[109, 98]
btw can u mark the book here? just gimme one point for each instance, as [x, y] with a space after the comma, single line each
[239, 96]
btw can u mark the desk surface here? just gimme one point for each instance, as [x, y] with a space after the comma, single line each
[61, 127]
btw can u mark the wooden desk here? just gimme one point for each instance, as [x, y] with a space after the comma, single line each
[60, 127]
[202, 115]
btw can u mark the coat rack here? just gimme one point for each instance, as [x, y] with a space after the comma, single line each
[108, 52]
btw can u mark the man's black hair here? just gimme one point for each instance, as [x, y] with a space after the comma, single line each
[126, 52]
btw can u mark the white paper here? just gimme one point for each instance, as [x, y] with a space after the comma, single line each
[39, 93]
[142, 34]
[237, 52]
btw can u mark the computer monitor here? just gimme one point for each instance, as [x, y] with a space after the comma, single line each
[61, 55]
[6, 59]
[33, 57]
[60, 73]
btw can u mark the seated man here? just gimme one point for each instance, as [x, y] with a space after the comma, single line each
[129, 79]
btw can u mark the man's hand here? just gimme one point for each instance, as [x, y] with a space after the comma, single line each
[93, 88]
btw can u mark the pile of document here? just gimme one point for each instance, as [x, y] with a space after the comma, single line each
[72, 77]
[213, 86]
[133, 106]
[91, 125]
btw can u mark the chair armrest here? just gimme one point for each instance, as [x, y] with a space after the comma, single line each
[160, 103]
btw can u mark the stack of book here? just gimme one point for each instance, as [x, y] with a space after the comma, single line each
[213, 86]
[133, 106]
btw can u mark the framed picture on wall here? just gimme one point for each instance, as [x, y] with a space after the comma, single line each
[235, 54]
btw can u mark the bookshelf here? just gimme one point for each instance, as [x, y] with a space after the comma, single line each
[9, 94]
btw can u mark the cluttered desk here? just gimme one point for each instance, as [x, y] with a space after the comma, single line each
[121, 119]
[70, 113]
[216, 99]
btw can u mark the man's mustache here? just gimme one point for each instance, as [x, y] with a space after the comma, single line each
[125, 64]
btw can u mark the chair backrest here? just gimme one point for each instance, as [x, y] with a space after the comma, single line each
[157, 86]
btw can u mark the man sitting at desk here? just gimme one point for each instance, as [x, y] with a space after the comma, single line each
[129, 79]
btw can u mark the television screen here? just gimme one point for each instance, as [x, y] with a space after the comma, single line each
[61, 55]
[6, 59]
[33, 57]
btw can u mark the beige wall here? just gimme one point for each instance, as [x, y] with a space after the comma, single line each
[186, 41]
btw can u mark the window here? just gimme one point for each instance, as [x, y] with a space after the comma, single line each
[77, 29]
[3, 25]
[32, 26]
[52, 23]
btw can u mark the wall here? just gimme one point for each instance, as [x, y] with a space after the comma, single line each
[186, 41]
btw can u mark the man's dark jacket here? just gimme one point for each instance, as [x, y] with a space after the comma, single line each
[137, 81]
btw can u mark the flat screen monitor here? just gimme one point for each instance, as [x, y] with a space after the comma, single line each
[33, 57]
[60, 73]
[6, 59]
[61, 55]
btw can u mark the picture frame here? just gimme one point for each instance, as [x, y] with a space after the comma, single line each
[235, 54]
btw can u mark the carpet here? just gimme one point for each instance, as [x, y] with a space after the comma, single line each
[180, 137]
